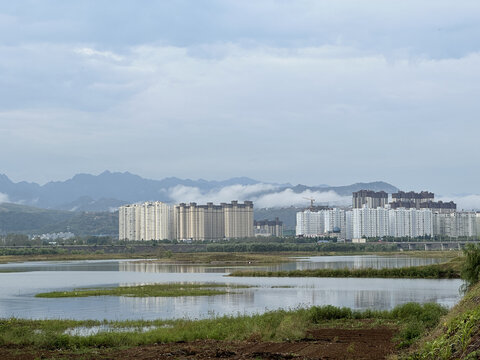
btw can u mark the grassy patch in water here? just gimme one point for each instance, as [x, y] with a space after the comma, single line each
[153, 290]
[435, 271]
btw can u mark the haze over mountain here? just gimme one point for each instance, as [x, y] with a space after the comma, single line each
[108, 190]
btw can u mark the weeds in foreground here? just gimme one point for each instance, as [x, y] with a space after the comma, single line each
[457, 337]
[272, 326]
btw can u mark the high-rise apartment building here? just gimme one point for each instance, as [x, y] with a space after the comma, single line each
[410, 222]
[381, 222]
[456, 224]
[367, 222]
[213, 222]
[238, 219]
[421, 200]
[412, 199]
[371, 199]
[319, 223]
[268, 228]
[147, 221]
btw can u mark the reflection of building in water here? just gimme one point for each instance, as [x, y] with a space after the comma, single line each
[150, 267]
[194, 305]
[147, 221]
[368, 299]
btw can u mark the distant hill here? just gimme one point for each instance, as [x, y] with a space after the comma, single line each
[101, 192]
[85, 204]
[30, 220]
[109, 190]
[286, 215]
[347, 190]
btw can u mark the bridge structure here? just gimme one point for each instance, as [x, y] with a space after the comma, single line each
[432, 245]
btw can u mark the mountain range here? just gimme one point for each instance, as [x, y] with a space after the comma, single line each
[109, 190]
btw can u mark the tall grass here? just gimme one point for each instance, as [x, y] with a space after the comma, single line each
[272, 326]
[436, 271]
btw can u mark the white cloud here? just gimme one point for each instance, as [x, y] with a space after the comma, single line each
[95, 53]
[288, 198]
[256, 193]
[4, 198]
[188, 194]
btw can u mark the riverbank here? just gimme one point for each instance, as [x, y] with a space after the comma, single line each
[301, 333]
[448, 270]
[177, 254]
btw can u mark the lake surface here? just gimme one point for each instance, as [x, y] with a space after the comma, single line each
[17, 289]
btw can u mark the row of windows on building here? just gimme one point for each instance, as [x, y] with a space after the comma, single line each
[381, 222]
[159, 221]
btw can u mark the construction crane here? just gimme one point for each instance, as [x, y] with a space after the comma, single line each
[311, 202]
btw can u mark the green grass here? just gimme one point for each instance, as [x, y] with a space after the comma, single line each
[436, 271]
[277, 325]
[211, 258]
[154, 290]
[457, 335]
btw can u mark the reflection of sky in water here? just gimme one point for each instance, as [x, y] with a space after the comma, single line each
[314, 262]
[17, 289]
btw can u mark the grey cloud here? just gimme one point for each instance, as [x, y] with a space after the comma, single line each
[253, 110]
[293, 91]
[437, 29]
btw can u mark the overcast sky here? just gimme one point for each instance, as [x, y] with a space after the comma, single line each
[302, 91]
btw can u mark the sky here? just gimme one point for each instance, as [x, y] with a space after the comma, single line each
[298, 91]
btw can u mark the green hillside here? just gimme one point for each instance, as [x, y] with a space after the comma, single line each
[16, 218]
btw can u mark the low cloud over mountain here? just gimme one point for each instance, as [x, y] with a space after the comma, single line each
[263, 195]
[3, 198]
[107, 191]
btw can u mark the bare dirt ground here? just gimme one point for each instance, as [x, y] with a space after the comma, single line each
[321, 344]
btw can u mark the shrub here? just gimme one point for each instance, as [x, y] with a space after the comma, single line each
[329, 312]
[471, 266]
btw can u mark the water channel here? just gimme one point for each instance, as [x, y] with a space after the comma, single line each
[19, 285]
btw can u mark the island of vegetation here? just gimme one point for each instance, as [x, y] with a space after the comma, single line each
[450, 270]
[153, 290]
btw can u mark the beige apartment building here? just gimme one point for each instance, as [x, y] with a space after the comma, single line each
[213, 222]
[159, 221]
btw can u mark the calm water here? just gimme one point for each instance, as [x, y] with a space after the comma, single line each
[17, 289]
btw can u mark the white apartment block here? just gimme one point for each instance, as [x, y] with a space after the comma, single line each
[311, 223]
[147, 221]
[380, 222]
[456, 224]
[410, 222]
[368, 222]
